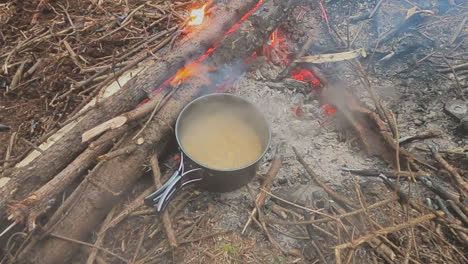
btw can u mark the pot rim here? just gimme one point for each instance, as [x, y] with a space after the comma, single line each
[222, 94]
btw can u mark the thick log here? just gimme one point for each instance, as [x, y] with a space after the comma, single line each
[36, 204]
[24, 180]
[96, 196]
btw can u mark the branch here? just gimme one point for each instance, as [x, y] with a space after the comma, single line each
[387, 230]
[266, 185]
[165, 216]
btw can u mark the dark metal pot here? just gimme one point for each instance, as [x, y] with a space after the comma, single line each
[212, 179]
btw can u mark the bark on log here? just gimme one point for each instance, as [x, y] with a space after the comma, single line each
[121, 172]
[24, 180]
[37, 203]
[103, 188]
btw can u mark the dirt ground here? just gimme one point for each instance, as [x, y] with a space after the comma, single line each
[411, 83]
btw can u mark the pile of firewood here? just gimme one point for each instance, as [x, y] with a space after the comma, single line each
[104, 146]
[112, 159]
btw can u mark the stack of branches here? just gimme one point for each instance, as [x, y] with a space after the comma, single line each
[397, 229]
[402, 228]
[57, 55]
[112, 159]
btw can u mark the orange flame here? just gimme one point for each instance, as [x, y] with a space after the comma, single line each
[276, 50]
[193, 69]
[197, 15]
[209, 51]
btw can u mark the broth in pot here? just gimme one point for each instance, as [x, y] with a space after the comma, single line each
[221, 140]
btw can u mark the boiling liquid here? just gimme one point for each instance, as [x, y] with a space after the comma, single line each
[221, 141]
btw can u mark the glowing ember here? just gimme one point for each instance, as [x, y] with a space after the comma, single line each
[307, 76]
[276, 50]
[297, 111]
[208, 52]
[232, 29]
[274, 39]
[192, 69]
[197, 15]
[302, 75]
[328, 109]
[325, 16]
[244, 17]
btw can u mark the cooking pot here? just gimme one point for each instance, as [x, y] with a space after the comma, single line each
[205, 177]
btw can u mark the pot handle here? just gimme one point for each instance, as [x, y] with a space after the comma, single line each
[163, 203]
[168, 190]
[155, 196]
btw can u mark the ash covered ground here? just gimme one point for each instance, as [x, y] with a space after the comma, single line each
[408, 82]
[404, 71]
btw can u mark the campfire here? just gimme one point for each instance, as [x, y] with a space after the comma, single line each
[242, 131]
[196, 16]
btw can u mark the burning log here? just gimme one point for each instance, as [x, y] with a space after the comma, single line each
[100, 190]
[24, 180]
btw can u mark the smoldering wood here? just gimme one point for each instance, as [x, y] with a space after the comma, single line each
[368, 126]
[24, 180]
[422, 135]
[122, 171]
[305, 48]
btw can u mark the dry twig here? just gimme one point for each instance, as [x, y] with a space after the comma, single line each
[89, 245]
[266, 185]
[338, 197]
[462, 184]
[387, 230]
[165, 215]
